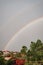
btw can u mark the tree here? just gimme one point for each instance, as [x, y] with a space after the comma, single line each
[32, 46]
[2, 61]
[24, 50]
[40, 52]
[11, 54]
[38, 43]
[18, 55]
[29, 55]
[1, 53]
[36, 50]
[9, 62]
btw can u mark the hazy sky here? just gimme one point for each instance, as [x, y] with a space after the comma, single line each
[15, 14]
[31, 32]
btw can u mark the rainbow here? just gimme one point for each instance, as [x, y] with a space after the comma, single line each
[21, 30]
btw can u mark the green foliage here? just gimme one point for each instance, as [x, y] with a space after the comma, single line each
[38, 43]
[36, 51]
[18, 55]
[9, 62]
[1, 53]
[24, 49]
[2, 61]
[28, 63]
[32, 46]
[32, 55]
[29, 53]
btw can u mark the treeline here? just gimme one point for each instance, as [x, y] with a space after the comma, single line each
[32, 56]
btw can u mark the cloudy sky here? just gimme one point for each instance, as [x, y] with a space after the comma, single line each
[15, 14]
